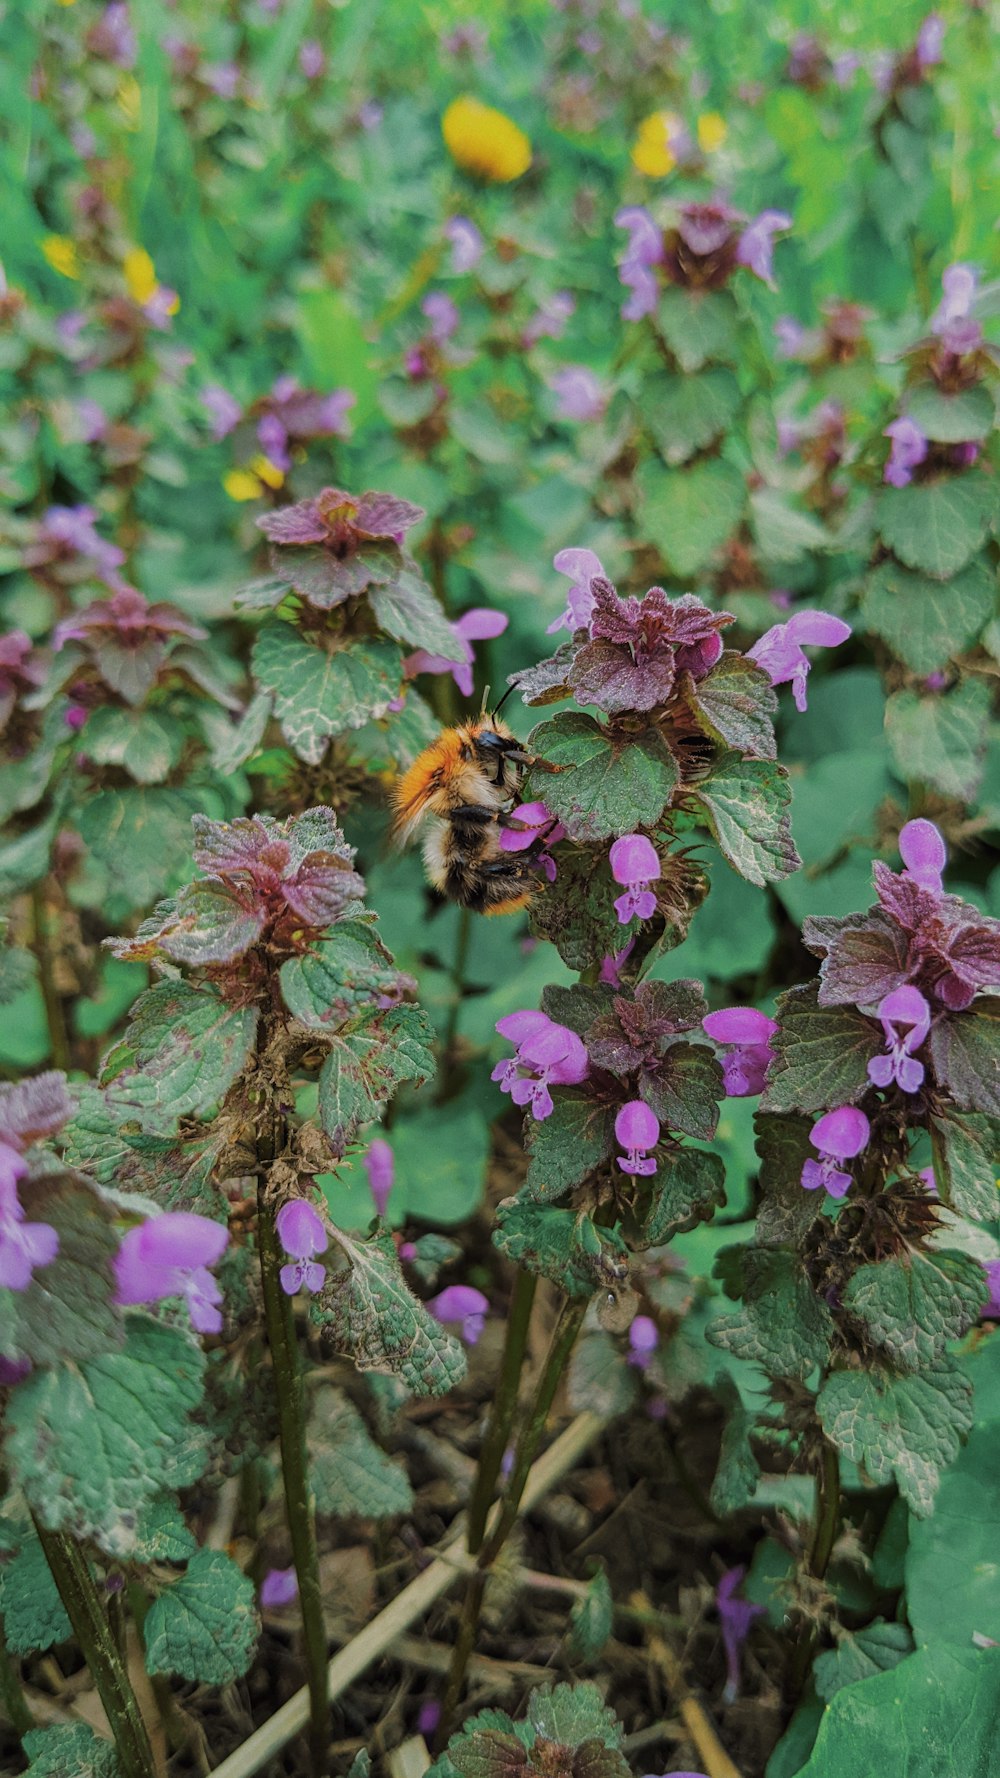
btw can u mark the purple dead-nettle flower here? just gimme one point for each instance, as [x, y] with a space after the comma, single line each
[66, 536]
[745, 1035]
[359, 535]
[635, 864]
[583, 568]
[579, 395]
[644, 251]
[467, 244]
[223, 409]
[756, 244]
[111, 38]
[637, 1130]
[908, 450]
[13, 1371]
[480, 624]
[547, 1055]
[127, 639]
[302, 1234]
[735, 1619]
[643, 1339]
[779, 650]
[380, 1167]
[24, 1246]
[990, 1310]
[639, 646]
[611, 967]
[906, 1020]
[930, 41]
[17, 673]
[791, 336]
[221, 78]
[442, 315]
[463, 1306]
[838, 1135]
[312, 61]
[549, 321]
[291, 413]
[924, 854]
[960, 284]
[279, 1587]
[169, 1256]
[533, 824]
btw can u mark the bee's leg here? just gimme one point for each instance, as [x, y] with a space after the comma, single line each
[475, 814]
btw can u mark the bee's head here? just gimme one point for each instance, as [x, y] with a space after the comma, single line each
[499, 753]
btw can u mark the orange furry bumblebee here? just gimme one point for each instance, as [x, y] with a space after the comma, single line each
[461, 786]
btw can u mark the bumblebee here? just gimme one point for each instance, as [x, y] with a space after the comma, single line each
[462, 785]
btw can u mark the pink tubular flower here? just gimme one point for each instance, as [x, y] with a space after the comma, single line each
[169, 1255]
[643, 1339]
[930, 41]
[735, 1618]
[278, 1587]
[579, 395]
[959, 283]
[746, 1035]
[906, 1020]
[442, 315]
[923, 852]
[756, 244]
[779, 650]
[24, 1246]
[536, 825]
[379, 1166]
[909, 448]
[466, 243]
[546, 1053]
[462, 1305]
[839, 1135]
[644, 251]
[312, 61]
[582, 567]
[301, 1233]
[637, 1130]
[610, 973]
[634, 863]
[480, 624]
[223, 410]
[549, 321]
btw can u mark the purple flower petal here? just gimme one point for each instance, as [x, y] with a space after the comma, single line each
[380, 1166]
[843, 1132]
[923, 853]
[634, 860]
[300, 1229]
[278, 1587]
[739, 1024]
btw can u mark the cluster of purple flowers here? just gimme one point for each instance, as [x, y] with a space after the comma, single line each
[953, 362]
[702, 245]
[290, 415]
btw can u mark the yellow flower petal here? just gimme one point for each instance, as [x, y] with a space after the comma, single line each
[484, 141]
[712, 131]
[653, 158]
[61, 254]
[140, 275]
[269, 473]
[653, 152]
[660, 127]
[241, 484]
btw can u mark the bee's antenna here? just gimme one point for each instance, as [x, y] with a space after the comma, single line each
[503, 700]
[486, 698]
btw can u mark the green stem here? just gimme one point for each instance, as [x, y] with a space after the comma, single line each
[563, 1340]
[450, 1074]
[55, 1014]
[86, 1613]
[279, 1320]
[14, 1702]
[820, 1550]
[503, 1409]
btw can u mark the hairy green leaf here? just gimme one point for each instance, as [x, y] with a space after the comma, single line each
[747, 804]
[205, 1626]
[899, 1428]
[367, 1312]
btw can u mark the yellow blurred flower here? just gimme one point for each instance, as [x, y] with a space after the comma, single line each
[485, 142]
[129, 97]
[653, 152]
[250, 483]
[712, 131]
[140, 275]
[61, 254]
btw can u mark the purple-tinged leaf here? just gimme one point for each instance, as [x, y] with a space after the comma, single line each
[965, 1051]
[865, 957]
[734, 705]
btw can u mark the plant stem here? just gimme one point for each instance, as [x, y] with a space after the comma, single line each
[280, 1323]
[86, 1613]
[503, 1407]
[827, 1512]
[450, 1074]
[14, 1701]
[563, 1340]
[55, 1015]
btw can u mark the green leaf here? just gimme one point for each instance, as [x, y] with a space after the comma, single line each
[572, 1714]
[339, 976]
[333, 341]
[559, 1244]
[937, 525]
[601, 1381]
[782, 1325]
[966, 415]
[785, 1211]
[68, 1308]
[365, 1066]
[940, 739]
[604, 787]
[77, 1751]
[161, 1534]
[407, 609]
[145, 743]
[318, 694]
[821, 1054]
[747, 802]
[932, 1716]
[565, 1147]
[687, 414]
[576, 913]
[699, 325]
[182, 1051]
[913, 1305]
[965, 1163]
[735, 705]
[368, 1313]
[738, 1470]
[877, 1648]
[684, 1088]
[141, 836]
[205, 1626]
[686, 1189]
[928, 622]
[689, 513]
[33, 1614]
[351, 1475]
[898, 1428]
[91, 1444]
[965, 1051]
[782, 532]
[442, 1154]
[592, 1619]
